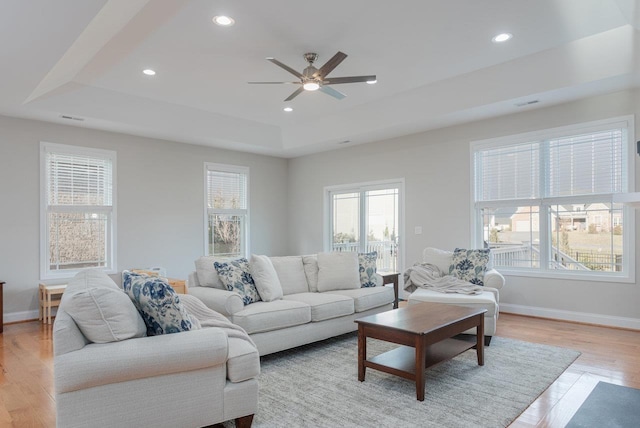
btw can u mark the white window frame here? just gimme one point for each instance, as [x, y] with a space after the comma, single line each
[629, 235]
[111, 259]
[209, 166]
[362, 187]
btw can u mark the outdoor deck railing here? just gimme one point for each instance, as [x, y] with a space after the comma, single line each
[387, 259]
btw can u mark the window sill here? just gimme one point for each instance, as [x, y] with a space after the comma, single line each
[618, 278]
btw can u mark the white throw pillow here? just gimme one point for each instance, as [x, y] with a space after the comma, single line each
[338, 271]
[266, 278]
[207, 274]
[103, 314]
[291, 274]
[437, 257]
[102, 311]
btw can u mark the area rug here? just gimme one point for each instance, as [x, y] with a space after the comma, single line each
[609, 405]
[317, 386]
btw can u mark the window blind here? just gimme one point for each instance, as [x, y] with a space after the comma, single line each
[78, 180]
[585, 164]
[226, 190]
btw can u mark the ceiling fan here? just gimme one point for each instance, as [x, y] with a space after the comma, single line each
[312, 79]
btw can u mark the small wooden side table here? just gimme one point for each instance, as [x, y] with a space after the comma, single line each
[391, 278]
[49, 296]
[1, 310]
[180, 285]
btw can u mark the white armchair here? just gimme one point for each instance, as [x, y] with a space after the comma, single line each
[489, 298]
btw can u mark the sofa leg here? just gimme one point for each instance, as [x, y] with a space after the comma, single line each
[244, 422]
[487, 340]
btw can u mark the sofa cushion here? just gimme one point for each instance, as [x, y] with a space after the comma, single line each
[266, 316]
[100, 309]
[338, 271]
[158, 303]
[236, 276]
[243, 360]
[437, 257]
[266, 278]
[367, 265]
[469, 265]
[311, 271]
[290, 271]
[325, 306]
[206, 272]
[368, 298]
[485, 300]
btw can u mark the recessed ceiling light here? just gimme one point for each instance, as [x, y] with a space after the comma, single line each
[224, 21]
[149, 72]
[502, 37]
[372, 82]
[287, 109]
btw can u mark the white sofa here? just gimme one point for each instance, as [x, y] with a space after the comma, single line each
[188, 379]
[489, 299]
[303, 315]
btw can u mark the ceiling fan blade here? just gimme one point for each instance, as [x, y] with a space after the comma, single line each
[286, 67]
[351, 79]
[330, 91]
[275, 83]
[295, 94]
[330, 65]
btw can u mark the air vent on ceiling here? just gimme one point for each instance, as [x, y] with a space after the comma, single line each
[527, 103]
[65, 116]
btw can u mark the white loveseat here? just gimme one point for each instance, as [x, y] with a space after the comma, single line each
[189, 379]
[488, 299]
[304, 314]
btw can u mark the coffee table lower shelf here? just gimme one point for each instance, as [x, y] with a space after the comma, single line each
[401, 361]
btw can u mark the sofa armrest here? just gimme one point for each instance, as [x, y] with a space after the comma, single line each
[222, 301]
[107, 363]
[494, 279]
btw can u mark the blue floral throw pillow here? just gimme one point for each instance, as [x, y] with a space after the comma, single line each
[158, 303]
[469, 265]
[236, 276]
[367, 262]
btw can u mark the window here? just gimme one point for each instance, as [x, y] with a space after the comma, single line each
[227, 210]
[544, 202]
[365, 218]
[78, 194]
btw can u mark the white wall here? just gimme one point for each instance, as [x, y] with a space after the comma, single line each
[160, 203]
[436, 169]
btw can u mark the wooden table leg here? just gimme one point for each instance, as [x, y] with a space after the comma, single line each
[362, 352]
[480, 340]
[420, 363]
[48, 308]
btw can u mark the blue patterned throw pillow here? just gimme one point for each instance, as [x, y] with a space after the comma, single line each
[367, 262]
[158, 303]
[469, 265]
[236, 276]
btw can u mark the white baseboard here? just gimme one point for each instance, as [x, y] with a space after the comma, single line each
[584, 317]
[21, 316]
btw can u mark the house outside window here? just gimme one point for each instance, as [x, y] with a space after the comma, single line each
[227, 210]
[77, 210]
[366, 217]
[543, 202]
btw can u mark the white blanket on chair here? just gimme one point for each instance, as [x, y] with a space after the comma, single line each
[428, 276]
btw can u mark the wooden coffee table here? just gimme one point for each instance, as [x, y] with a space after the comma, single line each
[426, 332]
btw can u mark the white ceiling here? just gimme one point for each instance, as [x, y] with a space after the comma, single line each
[434, 59]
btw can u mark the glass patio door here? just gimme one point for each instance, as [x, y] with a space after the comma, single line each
[367, 218]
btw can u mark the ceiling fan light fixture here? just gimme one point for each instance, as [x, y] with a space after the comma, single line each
[311, 86]
[223, 21]
[288, 109]
[372, 82]
[149, 72]
[502, 37]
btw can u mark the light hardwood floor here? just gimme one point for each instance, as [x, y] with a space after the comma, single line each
[612, 355]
